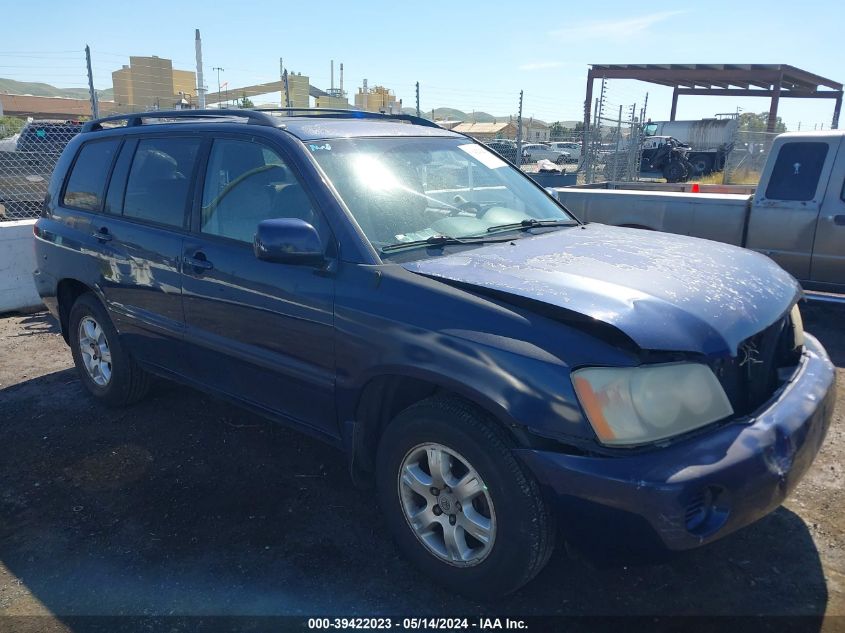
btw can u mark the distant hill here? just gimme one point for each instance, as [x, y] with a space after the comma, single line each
[452, 114]
[36, 89]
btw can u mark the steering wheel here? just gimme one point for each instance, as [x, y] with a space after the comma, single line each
[247, 174]
[466, 205]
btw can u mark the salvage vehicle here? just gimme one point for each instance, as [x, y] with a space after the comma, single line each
[493, 367]
[796, 215]
[710, 140]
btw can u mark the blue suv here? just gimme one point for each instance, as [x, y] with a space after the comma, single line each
[494, 368]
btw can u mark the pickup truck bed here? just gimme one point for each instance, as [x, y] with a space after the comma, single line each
[714, 216]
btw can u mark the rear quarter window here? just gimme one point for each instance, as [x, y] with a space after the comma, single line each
[796, 173]
[87, 180]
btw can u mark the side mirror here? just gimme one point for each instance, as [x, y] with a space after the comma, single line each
[288, 241]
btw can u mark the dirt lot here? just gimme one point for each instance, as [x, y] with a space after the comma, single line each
[186, 505]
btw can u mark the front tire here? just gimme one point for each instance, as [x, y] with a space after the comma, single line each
[458, 503]
[105, 368]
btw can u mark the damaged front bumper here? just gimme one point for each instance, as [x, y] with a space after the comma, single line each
[702, 488]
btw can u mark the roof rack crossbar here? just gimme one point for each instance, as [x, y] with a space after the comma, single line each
[346, 113]
[133, 119]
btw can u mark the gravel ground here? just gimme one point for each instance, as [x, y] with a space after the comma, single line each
[183, 504]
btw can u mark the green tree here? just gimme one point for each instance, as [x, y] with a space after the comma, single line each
[751, 122]
[246, 102]
[10, 125]
[556, 130]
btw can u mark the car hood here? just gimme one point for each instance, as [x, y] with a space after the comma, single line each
[664, 291]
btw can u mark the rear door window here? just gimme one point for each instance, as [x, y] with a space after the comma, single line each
[87, 181]
[160, 180]
[796, 173]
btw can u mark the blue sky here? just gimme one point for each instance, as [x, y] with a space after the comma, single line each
[465, 55]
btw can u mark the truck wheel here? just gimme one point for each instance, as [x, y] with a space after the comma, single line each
[702, 164]
[675, 172]
[106, 370]
[458, 503]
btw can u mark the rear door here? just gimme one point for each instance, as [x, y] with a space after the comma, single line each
[141, 231]
[786, 208]
[259, 331]
[828, 266]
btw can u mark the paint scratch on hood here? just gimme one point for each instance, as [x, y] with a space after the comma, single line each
[667, 292]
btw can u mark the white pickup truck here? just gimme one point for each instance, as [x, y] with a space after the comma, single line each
[796, 215]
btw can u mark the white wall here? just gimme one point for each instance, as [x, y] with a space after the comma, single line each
[17, 261]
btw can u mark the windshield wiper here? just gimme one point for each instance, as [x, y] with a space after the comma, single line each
[530, 223]
[442, 240]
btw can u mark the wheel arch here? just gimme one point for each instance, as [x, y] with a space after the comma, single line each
[385, 395]
[68, 290]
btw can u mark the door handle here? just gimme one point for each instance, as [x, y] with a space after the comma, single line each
[102, 234]
[198, 262]
[839, 220]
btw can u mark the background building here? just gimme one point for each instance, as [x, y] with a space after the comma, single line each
[377, 99]
[151, 82]
[299, 86]
[329, 101]
[488, 131]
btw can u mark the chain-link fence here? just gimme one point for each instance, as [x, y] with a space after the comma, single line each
[29, 150]
[747, 157]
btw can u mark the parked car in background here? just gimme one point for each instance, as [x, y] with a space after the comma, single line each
[533, 152]
[571, 148]
[490, 366]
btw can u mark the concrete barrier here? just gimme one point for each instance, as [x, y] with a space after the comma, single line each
[17, 261]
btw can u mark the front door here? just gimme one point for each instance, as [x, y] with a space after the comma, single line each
[259, 331]
[828, 265]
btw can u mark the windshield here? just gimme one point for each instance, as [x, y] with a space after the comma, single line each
[408, 189]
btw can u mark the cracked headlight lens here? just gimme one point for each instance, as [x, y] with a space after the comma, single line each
[637, 405]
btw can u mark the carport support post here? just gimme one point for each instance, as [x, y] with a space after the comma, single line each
[837, 108]
[773, 108]
[674, 110]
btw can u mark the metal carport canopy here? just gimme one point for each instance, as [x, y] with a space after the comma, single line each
[724, 80]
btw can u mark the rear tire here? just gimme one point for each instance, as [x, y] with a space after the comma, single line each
[675, 171]
[502, 505]
[108, 372]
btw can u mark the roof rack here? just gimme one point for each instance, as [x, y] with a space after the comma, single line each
[261, 116]
[346, 113]
[137, 118]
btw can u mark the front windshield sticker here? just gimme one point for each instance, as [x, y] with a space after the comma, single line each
[315, 148]
[485, 157]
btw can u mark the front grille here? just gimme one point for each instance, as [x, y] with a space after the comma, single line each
[750, 378]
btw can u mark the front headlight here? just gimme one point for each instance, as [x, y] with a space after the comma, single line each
[635, 405]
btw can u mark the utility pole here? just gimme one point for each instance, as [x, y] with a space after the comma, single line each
[95, 107]
[218, 69]
[282, 81]
[418, 98]
[519, 132]
[200, 83]
[287, 92]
